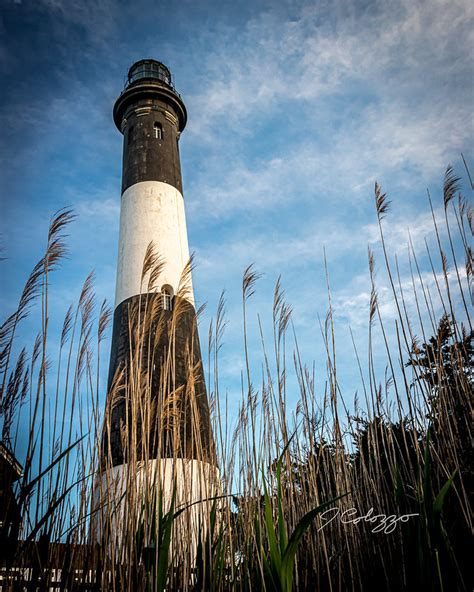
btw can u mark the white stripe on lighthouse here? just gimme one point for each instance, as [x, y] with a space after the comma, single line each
[151, 211]
[195, 484]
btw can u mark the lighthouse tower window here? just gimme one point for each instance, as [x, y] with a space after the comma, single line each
[158, 131]
[130, 135]
[167, 297]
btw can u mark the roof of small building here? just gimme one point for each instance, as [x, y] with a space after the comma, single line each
[8, 458]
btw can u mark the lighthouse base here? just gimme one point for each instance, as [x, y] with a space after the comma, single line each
[128, 501]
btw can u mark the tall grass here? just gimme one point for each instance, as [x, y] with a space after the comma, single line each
[272, 516]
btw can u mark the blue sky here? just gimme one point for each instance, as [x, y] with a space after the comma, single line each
[294, 110]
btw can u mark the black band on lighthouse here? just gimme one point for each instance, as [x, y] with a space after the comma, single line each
[192, 438]
[151, 115]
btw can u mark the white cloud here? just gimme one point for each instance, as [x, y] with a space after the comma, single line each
[275, 249]
[103, 210]
[363, 96]
[351, 303]
[386, 143]
[387, 46]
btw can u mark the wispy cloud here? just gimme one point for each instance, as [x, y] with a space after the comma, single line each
[350, 96]
[319, 51]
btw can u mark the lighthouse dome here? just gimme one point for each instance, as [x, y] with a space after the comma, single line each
[149, 69]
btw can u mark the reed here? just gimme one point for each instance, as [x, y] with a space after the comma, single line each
[271, 519]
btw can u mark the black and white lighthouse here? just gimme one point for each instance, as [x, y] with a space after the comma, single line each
[151, 115]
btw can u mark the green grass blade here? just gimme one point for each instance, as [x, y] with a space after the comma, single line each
[275, 555]
[440, 498]
[295, 539]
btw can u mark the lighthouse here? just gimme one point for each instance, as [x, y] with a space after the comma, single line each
[157, 432]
